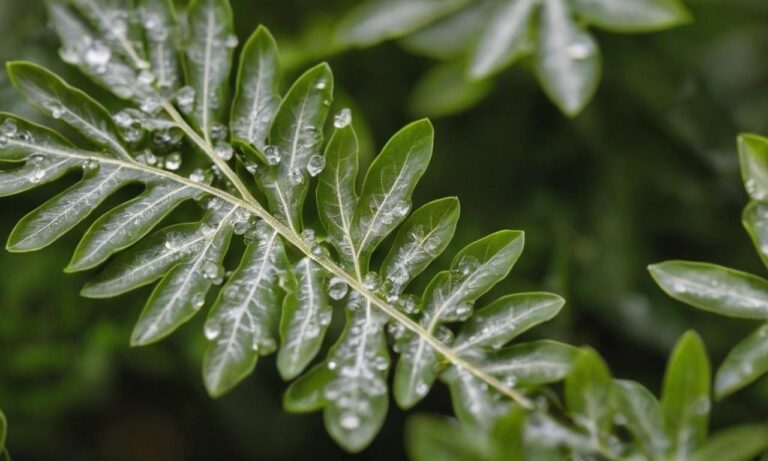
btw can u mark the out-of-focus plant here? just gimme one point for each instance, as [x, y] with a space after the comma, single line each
[727, 291]
[477, 39]
[603, 418]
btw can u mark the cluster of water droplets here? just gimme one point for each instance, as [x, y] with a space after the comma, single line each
[343, 118]
[387, 212]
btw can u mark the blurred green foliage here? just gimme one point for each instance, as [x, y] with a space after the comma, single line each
[647, 172]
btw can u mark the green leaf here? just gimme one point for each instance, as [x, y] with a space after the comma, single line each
[306, 315]
[589, 395]
[421, 239]
[532, 363]
[49, 93]
[385, 199]
[449, 37]
[506, 318]
[336, 195]
[305, 394]
[296, 135]
[3, 430]
[642, 415]
[181, 292]
[160, 38]
[256, 98]
[753, 156]
[685, 396]
[104, 56]
[503, 39]
[378, 20]
[438, 439]
[744, 364]
[450, 297]
[509, 435]
[208, 60]
[242, 323]
[54, 218]
[739, 443]
[634, 16]
[444, 90]
[754, 218]
[714, 288]
[128, 223]
[472, 401]
[357, 400]
[567, 58]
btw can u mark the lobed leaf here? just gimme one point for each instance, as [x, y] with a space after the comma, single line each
[256, 98]
[56, 98]
[242, 324]
[306, 315]
[208, 54]
[295, 136]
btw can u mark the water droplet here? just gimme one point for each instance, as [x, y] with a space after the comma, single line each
[213, 272]
[321, 84]
[9, 127]
[55, 108]
[295, 176]
[231, 41]
[172, 162]
[467, 265]
[272, 155]
[349, 421]
[332, 365]
[308, 236]
[97, 56]
[91, 165]
[371, 280]
[401, 208]
[146, 77]
[224, 151]
[198, 299]
[337, 288]
[212, 330]
[422, 388]
[185, 98]
[69, 54]
[343, 118]
[197, 175]
[580, 49]
[147, 158]
[315, 164]
[218, 131]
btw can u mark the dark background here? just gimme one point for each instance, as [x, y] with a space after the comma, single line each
[648, 172]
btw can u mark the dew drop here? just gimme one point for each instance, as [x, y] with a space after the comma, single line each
[321, 84]
[97, 55]
[295, 176]
[272, 155]
[337, 288]
[343, 118]
[212, 330]
[9, 127]
[315, 164]
[172, 162]
[198, 299]
[224, 151]
[185, 98]
[580, 49]
[197, 175]
[69, 54]
[231, 41]
[349, 421]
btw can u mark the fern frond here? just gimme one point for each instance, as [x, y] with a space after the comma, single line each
[271, 146]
